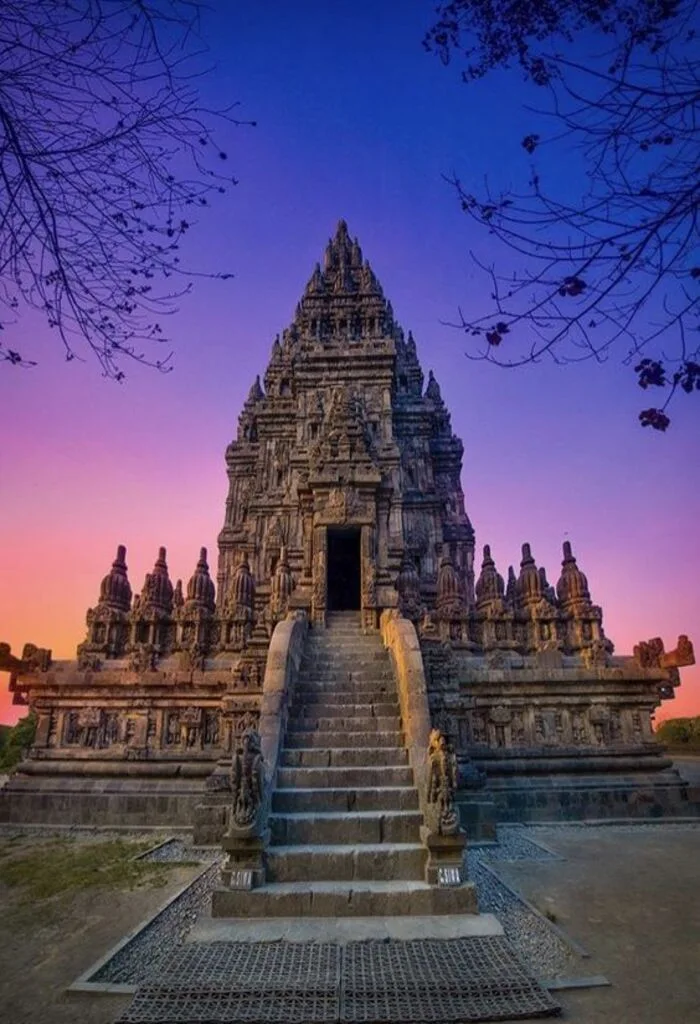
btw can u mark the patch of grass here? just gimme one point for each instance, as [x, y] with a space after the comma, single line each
[57, 867]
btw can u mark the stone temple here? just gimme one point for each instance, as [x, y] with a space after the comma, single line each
[350, 648]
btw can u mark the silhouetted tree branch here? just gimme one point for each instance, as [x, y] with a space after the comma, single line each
[106, 154]
[618, 265]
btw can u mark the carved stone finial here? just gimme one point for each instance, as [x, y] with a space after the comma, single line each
[243, 585]
[528, 588]
[433, 389]
[489, 586]
[256, 392]
[157, 591]
[449, 600]
[548, 591]
[572, 588]
[200, 589]
[511, 586]
[283, 584]
[442, 784]
[115, 591]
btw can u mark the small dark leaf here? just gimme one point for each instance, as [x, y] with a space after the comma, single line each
[654, 418]
[529, 143]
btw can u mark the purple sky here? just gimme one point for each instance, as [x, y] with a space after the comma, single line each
[355, 120]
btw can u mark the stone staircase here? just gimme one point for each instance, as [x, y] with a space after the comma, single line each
[345, 822]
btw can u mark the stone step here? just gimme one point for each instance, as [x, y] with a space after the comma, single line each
[297, 738]
[369, 861]
[354, 723]
[331, 828]
[337, 662]
[344, 646]
[337, 645]
[345, 899]
[360, 688]
[343, 757]
[344, 778]
[385, 798]
[328, 707]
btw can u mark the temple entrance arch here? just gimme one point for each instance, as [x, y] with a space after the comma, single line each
[344, 568]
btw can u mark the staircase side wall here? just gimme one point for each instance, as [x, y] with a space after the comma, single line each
[401, 640]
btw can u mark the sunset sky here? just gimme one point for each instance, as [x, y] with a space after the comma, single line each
[355, 120]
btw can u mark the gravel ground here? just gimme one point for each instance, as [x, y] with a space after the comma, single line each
[140, 958]
[536, 942]
[538, 945]
[602, 829]
[176, 850]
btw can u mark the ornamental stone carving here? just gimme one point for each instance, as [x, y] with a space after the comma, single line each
[36, 659]
[346, 435]
[651, 653]
[408, 588]
[442, 785]
[247, 784]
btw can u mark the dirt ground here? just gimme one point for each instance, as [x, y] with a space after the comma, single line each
[630, 896]
[46, 945]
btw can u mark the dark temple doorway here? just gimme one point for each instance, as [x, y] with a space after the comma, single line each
[343, 569]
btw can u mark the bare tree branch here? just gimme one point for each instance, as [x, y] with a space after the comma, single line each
[106, 154]
[618, 265]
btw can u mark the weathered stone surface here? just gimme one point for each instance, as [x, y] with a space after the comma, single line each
[344, 492]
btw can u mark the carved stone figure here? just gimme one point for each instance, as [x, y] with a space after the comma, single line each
[247, 783]
[190, 725]
[442, 784]
[89, 722]
[211, 728]
[172, 730]
[72, 731]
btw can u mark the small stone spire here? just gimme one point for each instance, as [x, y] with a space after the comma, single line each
[511, 586]
[256, 392]
[448, 593]
[529, 583]
[282, 584]
[547, 590]
[200, 589]
[316, 284]
[243, 585]
[115, 590]
[489, 586]
[572, 588]
[433, 389]
[157, 588]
